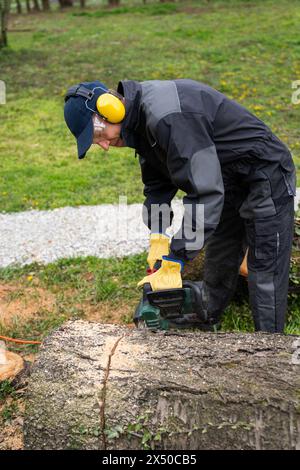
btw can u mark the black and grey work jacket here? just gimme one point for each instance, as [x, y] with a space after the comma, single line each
[183, 132]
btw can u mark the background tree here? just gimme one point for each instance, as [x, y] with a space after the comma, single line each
[45, 5]
[19, 6]
[28, 7]
[65, 3]
[113, 3]
[4, 12]
[36, 5]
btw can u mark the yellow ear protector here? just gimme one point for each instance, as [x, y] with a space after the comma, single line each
[109, 105]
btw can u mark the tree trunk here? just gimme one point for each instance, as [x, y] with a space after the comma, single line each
[114, 3]
[4, 13]
[28, 7]
[65, 3]
[109, 387]
[19, 7]
[82, 3]
[45, 5]
[36, 5]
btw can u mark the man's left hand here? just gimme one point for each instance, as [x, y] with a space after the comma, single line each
[168, 276]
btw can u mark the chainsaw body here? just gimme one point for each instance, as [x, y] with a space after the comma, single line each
[173, 308]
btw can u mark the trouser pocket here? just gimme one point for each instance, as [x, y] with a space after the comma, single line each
[289, 178]
[268, 237]
[266, 247]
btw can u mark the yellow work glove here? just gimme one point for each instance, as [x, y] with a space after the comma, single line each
[166, 277]
[159, 246]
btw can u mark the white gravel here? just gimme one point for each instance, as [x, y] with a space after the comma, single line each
[45, 236]
[104, 231]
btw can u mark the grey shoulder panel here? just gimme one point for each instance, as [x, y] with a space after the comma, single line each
[207, 180]
[159, 98]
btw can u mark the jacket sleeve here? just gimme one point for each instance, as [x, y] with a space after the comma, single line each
[194, 167]
[159, 192]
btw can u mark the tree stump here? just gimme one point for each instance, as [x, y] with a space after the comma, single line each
[11, 364]
[98, 386]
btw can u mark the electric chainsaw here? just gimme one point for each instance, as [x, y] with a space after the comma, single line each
[173, 308]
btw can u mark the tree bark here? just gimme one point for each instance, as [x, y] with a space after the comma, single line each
[109, 387]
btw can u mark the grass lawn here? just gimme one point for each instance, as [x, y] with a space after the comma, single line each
[248, 50]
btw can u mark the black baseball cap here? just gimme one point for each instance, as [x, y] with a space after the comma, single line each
[78, 113]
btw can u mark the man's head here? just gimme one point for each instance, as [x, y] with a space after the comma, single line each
[94, 114]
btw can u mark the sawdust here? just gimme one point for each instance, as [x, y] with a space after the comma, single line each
[125, 357]
[18, 302]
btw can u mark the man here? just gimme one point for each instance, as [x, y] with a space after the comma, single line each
[191, 137]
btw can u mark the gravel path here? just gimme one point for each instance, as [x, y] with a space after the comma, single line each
[45, 236]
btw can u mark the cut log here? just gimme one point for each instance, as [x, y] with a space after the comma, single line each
[109, 387]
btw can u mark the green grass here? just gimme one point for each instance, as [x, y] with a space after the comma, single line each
[9, 412]
[6, 389]
[248, 50]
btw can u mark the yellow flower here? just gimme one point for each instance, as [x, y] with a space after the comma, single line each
[258, 107]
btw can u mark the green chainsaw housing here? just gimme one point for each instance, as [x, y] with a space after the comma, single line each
[172, 308]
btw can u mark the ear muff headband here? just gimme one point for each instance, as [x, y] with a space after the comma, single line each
[109, 105]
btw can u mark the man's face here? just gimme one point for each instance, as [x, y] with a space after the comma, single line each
[106, 134]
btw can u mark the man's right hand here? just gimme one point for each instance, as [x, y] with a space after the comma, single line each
[159, 247]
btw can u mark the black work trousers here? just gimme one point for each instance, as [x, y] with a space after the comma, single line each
[258, 213]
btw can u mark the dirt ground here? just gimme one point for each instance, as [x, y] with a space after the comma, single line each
[20, 304]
